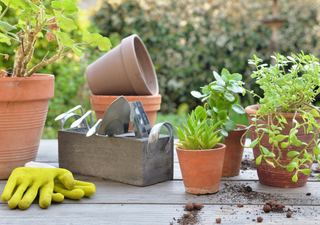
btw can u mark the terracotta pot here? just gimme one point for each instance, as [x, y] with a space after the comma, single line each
[151, 104]
[201, 169]
[23, 108]
[125, 70]
[280, 177]
[234, 151]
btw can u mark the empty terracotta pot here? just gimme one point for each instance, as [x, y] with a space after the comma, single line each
[201, 169]
[125, 70]
[277, 176]
[234, 152]
[150, 103]
[23, 108]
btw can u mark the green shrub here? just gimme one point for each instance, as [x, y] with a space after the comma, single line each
[187, 40]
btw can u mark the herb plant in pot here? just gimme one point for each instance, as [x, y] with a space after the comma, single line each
[24, 94]
[285, 125]
[200, 153]
[221, 97]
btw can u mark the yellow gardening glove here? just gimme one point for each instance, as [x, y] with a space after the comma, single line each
[80, 189]
[24, 183]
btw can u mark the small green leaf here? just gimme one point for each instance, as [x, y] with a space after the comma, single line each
[57, 4]
[64, 22]
[290, 168]
[224, 133]
[6, 26]
[70, 7]
[5, 39]
[218, 78]
[281, 137]
[265, 150]
[217, 88]
[16, 3]
[68, 42]
[305, 171]
[238, 109]
[200, 112]
[316, 150]
[284, 144]
[254, 143]
[222, 115]
[314, 113]
[96, 39]
[295, 177]
[292, 154]
[236, 76]
[258, 160]
[229, 97]
[196, 94]
[229, 125]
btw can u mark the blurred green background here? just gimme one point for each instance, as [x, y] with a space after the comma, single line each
[186, 40]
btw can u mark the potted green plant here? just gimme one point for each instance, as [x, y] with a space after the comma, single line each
[221, 101]
[25, 95]
[285, 125]
[200, 153]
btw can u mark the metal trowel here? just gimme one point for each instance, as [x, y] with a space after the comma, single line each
[116, 118]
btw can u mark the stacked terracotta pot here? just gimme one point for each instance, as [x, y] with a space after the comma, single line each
[126, 70]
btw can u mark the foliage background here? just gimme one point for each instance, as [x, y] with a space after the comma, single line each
[187, 40]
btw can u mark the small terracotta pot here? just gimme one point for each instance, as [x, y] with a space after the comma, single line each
[201, 169]
[234, 152]
[277, 176]
[23, 108]
[125, 70]
[150, 103]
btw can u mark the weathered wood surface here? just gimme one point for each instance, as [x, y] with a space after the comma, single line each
[163, 203]
[150, 214]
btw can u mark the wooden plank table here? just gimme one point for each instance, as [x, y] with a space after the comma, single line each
[163, 203]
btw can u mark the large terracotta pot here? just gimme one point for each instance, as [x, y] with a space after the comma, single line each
[277, 176]
[23, 108]
[201, 169]
[150, 103]
[234, 152]
[125, 70]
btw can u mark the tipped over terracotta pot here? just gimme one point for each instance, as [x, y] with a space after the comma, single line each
[125, 70]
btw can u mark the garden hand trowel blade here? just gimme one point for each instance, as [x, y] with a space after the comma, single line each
[116, 118]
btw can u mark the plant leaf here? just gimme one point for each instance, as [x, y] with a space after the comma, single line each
[258, 160]
[64, 22]
[195, 94]
[295, 177]
[236, 76]
[57, 4]
[305, 171]
[96, 39]
[238, 109]
[229, 97]
[70, 7]
[68, 42]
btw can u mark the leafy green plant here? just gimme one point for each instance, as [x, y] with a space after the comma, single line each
[34, 23]
[290, 85]
[199, 133]
[221, 97]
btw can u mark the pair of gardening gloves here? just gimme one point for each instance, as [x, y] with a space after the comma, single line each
[53, 184]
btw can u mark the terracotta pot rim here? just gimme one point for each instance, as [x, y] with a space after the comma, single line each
[252, 110]
[36, 76]
[240, 127]
[221, 146]
[126, 96]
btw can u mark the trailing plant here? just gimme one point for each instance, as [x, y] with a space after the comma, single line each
[290, 85]
[34, 24]
[199, 133]
[221, 99]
